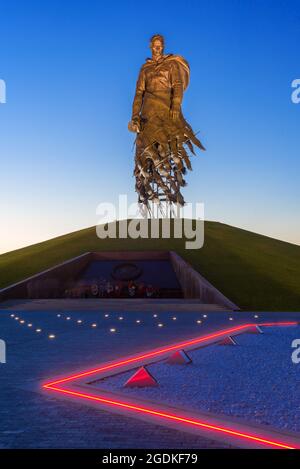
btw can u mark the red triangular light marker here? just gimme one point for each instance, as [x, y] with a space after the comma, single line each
[141, 379]
[228, 341]
[254, 330]
[179, 358]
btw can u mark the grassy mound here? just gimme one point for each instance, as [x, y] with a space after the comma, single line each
[256, 272]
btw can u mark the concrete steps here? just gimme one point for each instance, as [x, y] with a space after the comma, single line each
[111, 305]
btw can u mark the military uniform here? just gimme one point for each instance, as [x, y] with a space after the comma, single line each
[161, 158]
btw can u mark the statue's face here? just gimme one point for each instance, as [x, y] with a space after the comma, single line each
[157, 48]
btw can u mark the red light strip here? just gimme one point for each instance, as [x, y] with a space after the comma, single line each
[282, 324]
[165, 415]
[151, 354]
[147, 410]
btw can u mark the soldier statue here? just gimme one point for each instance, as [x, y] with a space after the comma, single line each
[164, 138]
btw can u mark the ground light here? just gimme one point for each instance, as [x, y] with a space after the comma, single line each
[57, 386]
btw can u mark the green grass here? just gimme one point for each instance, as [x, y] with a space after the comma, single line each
[254, 271]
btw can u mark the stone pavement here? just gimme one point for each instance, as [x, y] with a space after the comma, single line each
[32, 419]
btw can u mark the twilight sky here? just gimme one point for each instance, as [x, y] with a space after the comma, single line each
[70, 70]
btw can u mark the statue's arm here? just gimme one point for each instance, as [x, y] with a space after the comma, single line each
[139, 95]
[177, 89]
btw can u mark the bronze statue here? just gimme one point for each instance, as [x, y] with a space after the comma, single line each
[163, 135]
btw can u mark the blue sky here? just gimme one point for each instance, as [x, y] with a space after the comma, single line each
[70, 69]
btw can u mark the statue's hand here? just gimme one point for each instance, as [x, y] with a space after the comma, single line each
[134, 125]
